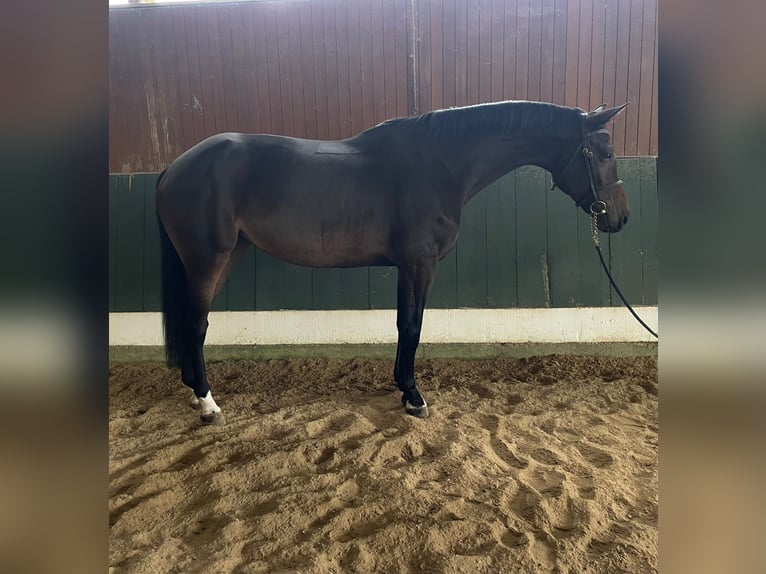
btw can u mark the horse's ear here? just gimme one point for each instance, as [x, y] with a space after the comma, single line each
[600, 116]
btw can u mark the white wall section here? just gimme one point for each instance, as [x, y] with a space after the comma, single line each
[581, 325]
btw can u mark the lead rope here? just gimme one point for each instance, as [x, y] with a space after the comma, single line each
[594, 229]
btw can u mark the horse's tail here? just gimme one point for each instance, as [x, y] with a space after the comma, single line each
[175, 298]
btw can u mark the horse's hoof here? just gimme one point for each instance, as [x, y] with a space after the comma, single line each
[420, 412]
[213, 419]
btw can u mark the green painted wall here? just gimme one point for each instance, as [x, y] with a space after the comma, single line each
[520, 245]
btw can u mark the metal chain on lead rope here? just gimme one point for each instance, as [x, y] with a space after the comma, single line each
[594, 224]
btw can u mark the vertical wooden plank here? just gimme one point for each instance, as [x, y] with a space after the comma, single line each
[151, 241]
[144, 86]
[572, 52]
[509, 51]
[653, 145]
[472, 53]
[206, 70]
[378, 61]
[281, 285]
[296, 70]
[648, 43]
[175, 22]
[559, 52]
[221, 302]
[259, 18]
[597, 56]
[634, 77]
[326, 289]
[563, 260]
[390, 78]
[168, 97]
[531, 237]
[485, 51]
[196, 95]
[115, 182]
[128, 62]
[436, 47]
[472, 254]
[238, 68]
[286, 84]
[625, 246]
[443, 293]
[229, 73]
[241, 284]
[344, 81]
[216, 31]
[401, 24]
[272, 69]
[355, 68]
[449, 54]
[522, 51]
[320, 70]
[423, 52]
[501, 242]
[368, 96]
[135, 87]
[117, 95]
[308, 86]
[250, 71]
[647, 167]
[535, 51]
[383, 287]
[461, 86]
[548, 43]
[297, 286]
[621, 75]
[160, 121]
[498, 40]
[331, 66]
[269, 282]
[609, 83]
[584, 54]
[129, 274]
[355, 288]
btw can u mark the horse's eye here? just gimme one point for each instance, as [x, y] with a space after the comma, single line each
[607, 156]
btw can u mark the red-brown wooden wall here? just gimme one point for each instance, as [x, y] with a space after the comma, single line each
[328, 69]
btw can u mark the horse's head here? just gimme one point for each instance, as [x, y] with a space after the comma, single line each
[589, 172]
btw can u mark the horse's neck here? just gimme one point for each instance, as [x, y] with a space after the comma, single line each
[489, 159]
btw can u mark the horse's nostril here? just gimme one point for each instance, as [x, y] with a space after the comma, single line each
[624, 220]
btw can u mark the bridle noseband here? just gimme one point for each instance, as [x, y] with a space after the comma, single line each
[597, 205]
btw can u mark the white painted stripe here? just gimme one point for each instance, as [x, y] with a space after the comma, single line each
[582, 325]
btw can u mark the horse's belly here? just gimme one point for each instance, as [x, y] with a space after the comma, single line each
[315, 248]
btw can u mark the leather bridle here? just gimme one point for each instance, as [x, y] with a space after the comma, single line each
[597, 205]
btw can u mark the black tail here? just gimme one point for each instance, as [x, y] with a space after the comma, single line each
[175, 299]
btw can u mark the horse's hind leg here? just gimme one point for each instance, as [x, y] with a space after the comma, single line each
[187, 370]
[204, 277]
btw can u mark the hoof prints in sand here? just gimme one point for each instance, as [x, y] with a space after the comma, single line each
[508, 474]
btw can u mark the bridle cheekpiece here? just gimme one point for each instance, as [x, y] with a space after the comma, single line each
[597, 205]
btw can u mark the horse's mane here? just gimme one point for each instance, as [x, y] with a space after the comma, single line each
[499, 117]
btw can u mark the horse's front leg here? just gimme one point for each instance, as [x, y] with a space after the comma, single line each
[414, 282]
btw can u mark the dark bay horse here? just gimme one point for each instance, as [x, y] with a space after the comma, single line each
[391, 195]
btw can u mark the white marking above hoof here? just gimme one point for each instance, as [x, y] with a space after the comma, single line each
[420, 412]
[208, 404]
